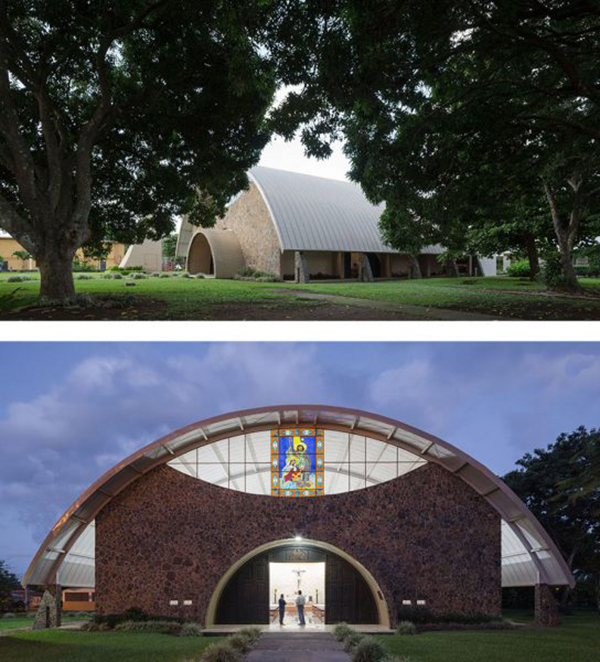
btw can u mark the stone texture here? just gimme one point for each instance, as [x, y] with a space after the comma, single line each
[49, 613]
[424, 536]
[546, 607]
[249, 218]
[301, 274]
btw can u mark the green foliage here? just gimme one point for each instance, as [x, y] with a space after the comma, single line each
[155, 274]
[191, 630]
[84, 277]
[134, 112]
[79, 266]
[352, 640]
[117, 276]
[406, 627]
[561, 486]
[15, 279]
[138, 276]
[368, 649]
[221, 652]
[423, 615]
[169, 246]
[250, 274]
[161, 627]
[552, 272]
[252, 633]
[8, 614]
[520, 269]
[341, 631]
[241, 643]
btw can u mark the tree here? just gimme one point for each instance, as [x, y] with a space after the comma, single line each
[114, 115]
[23, 256]
[551, 483]
[454, 114]
[8, 583]
[169, 247]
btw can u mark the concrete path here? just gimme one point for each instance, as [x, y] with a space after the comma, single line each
[297, 647]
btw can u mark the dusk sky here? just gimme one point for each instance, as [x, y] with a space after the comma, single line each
[68, 412]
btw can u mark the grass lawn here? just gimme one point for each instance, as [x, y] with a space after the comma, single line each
[73, 646]
[15, 623]
[181, 298]
[576, 640]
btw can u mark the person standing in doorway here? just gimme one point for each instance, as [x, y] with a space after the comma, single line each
[300, 600]
[282, 604]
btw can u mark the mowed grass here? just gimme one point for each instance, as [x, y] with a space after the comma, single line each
[576, 640]
[181, 298]
[16, 623]
[74, 646]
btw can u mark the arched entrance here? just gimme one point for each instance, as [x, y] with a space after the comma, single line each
[215, 252]
[247, 593]
[200, 257]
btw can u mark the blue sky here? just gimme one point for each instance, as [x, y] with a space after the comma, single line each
[70, 411]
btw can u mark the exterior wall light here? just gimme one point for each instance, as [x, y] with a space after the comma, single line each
[297, 538]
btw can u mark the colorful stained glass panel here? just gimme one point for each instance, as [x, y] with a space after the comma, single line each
[297, 462]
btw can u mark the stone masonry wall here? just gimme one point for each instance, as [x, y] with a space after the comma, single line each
[249, 218]
[424, 536]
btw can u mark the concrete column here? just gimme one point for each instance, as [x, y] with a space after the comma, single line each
[546, 607]
[365, 273]
[386, 268]
[339, 265]
[301, 274]
[49, 613]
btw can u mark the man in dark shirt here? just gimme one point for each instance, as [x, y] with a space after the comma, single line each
[282, 604]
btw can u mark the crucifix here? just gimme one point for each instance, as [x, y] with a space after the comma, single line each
[299, 572]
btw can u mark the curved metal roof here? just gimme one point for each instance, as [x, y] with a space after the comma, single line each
[317, 214]
[529, 555]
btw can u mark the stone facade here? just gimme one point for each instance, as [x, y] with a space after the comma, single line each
[423, 536]
[49, 612]
[546, 607]
[249, 218]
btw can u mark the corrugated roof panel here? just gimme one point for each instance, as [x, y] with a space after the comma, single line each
[318, 214]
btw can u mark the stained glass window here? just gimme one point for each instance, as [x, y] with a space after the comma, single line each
[297, 462]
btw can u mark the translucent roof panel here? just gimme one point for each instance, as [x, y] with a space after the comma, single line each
[243, 462]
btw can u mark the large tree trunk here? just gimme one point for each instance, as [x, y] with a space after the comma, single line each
[533, 257]
[566, 232]
[414, 268]
[56, 272]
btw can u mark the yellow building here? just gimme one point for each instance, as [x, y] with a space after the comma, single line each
[8, 246]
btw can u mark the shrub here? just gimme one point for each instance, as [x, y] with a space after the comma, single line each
[15, 279]
[155, 274]
[406, 627]
[552, 274]
[221, 652]
[108, 276]
[520, 269]
[416, 614]
[341, 631]
[352, 640]
[198, 276]
[368, 649]
[160, 627]
[241, 643]
[186, 275]
[191, 630]
[117, 276]
[84, 277]
[9, 614]
[138, 275]
[248, 273]
[165, 275]
[252, 633]
[92, 626]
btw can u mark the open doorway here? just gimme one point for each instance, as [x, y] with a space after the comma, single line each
[289, 578]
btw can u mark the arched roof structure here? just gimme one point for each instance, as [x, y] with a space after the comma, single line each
[318, 214]
[529, 556]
